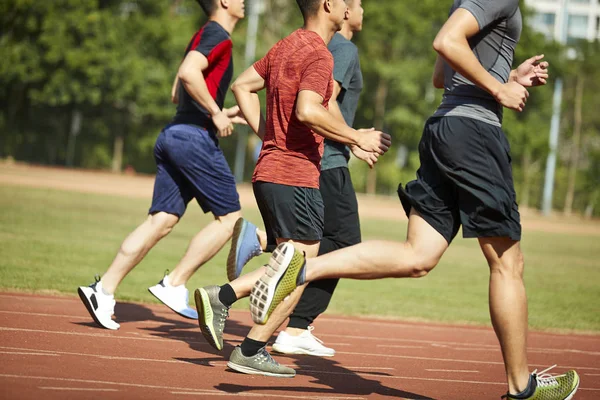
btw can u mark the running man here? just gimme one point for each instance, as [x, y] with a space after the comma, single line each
[342, 224]
[190, 165]
[465, 178]
[297, 73]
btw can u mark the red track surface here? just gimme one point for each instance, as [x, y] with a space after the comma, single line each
[51, 349]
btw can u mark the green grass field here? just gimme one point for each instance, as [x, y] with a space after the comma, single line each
[52, 240]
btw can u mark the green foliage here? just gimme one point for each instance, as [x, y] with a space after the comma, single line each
[114, 62]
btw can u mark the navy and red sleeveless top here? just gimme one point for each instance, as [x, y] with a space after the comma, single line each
[214, 42]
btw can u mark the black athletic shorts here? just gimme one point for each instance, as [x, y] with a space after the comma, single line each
[465, 178]
[290, 212]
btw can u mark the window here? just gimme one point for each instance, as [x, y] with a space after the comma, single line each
[577, 27]
[544, 23]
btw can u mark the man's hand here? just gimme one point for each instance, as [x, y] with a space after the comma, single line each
[512, 95]
[223, 124]
[374, 141]
[367, 156]
[531, 72]
[235, 115]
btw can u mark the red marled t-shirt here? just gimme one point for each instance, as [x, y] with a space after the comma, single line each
[291, 152]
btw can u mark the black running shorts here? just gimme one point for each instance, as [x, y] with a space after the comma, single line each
[290, 212]
[465, 178]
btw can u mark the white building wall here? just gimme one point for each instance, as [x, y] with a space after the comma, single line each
[582, 18]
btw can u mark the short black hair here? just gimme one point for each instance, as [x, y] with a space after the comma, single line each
[209, 6]
[308, 8]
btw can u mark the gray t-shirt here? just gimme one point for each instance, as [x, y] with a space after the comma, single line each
[494, 45]
[346, 71]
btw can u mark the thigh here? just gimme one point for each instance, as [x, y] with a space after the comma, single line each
[290, 212]
[171, 193]
[432, 195]
[199, 158]
[481, 171]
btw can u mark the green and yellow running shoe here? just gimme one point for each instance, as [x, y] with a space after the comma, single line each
[544, 386]
[279, 280]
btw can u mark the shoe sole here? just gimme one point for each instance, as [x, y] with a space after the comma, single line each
[277, 348]
[90, 308]
[253, 371]
[171, 308]
[269, 291]
[205, 318]
[238, 232]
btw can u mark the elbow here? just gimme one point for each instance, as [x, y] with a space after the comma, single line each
[185, 75]
[303, 113]
[438, 82]
[236, 88]
[441, 44]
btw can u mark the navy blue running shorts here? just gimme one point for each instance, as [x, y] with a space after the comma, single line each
[190, 164]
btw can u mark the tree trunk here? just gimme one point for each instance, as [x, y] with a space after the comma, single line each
[379, 121]
[575, 147]
[76, 117]
[589, 209]
[526, 188]
[117, 160]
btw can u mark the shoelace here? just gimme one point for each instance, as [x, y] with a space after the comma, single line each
[223, 317]
[310, 330]
[546, 379]
[104, 304]
[264, 356]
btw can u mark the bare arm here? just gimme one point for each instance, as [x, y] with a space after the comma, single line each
[310, 111]
[438, 73]
[174, 91]
[452, 44]
[244, 89]
[191, 76]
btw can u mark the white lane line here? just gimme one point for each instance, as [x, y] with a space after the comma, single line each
[458, 344]
[592, 374]
[466, 346]
[217, 391]
[351, 368]
[452, 370]
[412, 378]
[457, 360]
[101, 335]
[30, 353]
[400, 346]
[78, 389]
[97, 335]
[279, 396]
[43, 315]
[170, 388]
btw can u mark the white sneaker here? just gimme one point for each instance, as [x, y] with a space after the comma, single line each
[306, 343]
[174, 297]
[100, 306]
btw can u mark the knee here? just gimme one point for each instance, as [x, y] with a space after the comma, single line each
[511, 268]
[161, 224]
[229, 220]
[419, 267]
[423, 266]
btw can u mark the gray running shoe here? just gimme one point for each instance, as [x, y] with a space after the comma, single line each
[259, 364]
[212, 314]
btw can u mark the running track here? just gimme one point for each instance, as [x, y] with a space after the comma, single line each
[50, 349]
